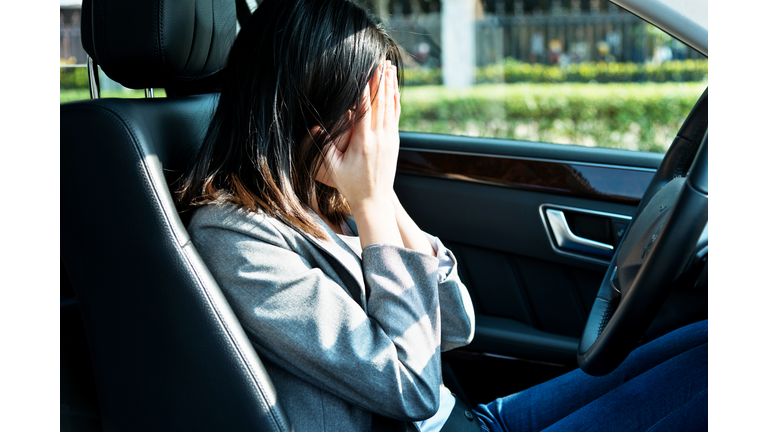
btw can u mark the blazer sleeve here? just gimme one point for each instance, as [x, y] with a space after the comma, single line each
[457, 314]
[387, 361]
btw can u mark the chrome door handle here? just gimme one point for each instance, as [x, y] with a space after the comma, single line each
[567, 240]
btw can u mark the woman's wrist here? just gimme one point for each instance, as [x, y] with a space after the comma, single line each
[376, 222]
[370, 205]
[412, 236]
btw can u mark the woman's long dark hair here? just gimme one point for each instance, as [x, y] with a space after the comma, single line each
[296, 64]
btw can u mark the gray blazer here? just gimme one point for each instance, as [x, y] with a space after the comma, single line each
[339, 336]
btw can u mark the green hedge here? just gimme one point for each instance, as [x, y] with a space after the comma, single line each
[630, 116]
[512, 71]
[73, 78]
[71, 95]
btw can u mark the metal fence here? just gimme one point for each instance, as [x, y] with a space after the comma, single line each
[556, 37]
[70, 43]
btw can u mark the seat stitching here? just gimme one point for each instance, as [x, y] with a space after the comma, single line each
[255, 383]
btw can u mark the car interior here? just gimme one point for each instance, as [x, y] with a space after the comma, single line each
[148, 340]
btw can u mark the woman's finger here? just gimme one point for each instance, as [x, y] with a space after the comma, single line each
[365, 121]
[357, 133]
[397, 97]
[393, 92]
[390, 108]
[374, 89]
[380, 96]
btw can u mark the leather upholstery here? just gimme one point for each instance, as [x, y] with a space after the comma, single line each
[143, 44]
[167, 350]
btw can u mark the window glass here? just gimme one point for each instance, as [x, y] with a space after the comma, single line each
[579, 72]
[73, 70]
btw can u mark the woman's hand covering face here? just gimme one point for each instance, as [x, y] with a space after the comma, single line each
[362, 163]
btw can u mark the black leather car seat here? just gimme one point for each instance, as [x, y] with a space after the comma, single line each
[167, 351]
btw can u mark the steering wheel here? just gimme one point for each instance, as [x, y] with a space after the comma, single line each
[660, 244]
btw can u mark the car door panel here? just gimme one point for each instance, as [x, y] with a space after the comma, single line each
[484, 199]
[497, 218]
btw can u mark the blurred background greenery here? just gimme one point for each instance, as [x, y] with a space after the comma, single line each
[514, 71]
[580, 72]
[633, 116]
[73, 86]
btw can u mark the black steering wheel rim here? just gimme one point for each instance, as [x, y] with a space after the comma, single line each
[657, 248]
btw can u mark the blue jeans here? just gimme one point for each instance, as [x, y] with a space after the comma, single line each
[661, 386]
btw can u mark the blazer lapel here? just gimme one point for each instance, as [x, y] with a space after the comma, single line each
[352, 224]
[339, 250]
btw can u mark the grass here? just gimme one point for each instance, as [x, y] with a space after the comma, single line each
[635, 116]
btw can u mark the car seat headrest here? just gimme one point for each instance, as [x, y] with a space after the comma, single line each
[158, 43]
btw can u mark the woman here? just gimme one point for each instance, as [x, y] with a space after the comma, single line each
[346, 301]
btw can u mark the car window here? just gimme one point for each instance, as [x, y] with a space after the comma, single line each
[73, 69]
[581, 72]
